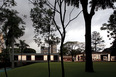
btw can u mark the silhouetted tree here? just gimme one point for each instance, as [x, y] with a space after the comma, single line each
[111, 30]
[22, 46]
[110, 26]
[89, 7]
[97, 41]
[73, 48]
[43, 24]
[58, 8]
[5, 4]
[11, 30]
[29, 50]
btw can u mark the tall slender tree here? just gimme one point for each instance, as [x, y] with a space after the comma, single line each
[89, 7]
[58, 7]
[97, 41]
[44, 28]
[5, 4]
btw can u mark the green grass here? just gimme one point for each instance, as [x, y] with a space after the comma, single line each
[75, 69]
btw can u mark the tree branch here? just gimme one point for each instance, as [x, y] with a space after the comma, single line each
[92, 12]
[73, 18]
[64, 11]
[54, 18]
[51, 6]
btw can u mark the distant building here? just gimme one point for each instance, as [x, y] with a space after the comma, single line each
[53, 49]
[97, 56]
[35, 57]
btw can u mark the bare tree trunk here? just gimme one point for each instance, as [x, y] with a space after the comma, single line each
[49, 60]
[5, 69]
[89, 63]
[5, 61]
[12, 54]
[72, 59]
[88, 52]
[49, 53]
[62, 63]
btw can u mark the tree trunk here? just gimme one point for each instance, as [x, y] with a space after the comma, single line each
[12, 54]
[88, 52]
[72, 59]
[49, 53]
[95, 46]
[89, 63]
[5, 61]
[49, 60]
[62, 63]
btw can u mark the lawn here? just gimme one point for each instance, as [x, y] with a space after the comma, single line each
[72, 69]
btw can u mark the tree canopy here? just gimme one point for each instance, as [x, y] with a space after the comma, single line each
[97, 42]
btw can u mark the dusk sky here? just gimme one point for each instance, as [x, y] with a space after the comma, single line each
[76, 29]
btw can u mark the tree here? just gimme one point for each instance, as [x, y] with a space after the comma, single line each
[5, 4]
[93, 6]
[11, 30]
[111, 26]
[22, 46]
[111, 30]
[29, 50]
[43, 24]
[96, 41]
[59, 8]
[72, 49]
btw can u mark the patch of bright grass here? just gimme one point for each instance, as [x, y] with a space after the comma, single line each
[72, 69]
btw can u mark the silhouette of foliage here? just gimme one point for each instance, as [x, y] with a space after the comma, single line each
[97, 41]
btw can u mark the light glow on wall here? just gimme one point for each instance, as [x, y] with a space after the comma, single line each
[52, 57]
[33, 57]
[45, 57]
[23, 57]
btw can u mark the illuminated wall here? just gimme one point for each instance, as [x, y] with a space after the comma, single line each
[23, 57]
[32, 57]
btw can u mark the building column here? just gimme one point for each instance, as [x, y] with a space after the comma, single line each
[109, 57]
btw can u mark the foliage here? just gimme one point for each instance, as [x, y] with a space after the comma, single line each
[73, 48]
[22, 45]
[11, 29]
[42, 22]
[111, 30]
[110, 26]
[97, 42]
[29, 50]
[59, 8]
[4, 5]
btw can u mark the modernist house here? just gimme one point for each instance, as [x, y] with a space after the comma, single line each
[35, 57]
[97, 56]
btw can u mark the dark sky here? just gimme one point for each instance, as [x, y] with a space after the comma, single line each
[75, 31]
